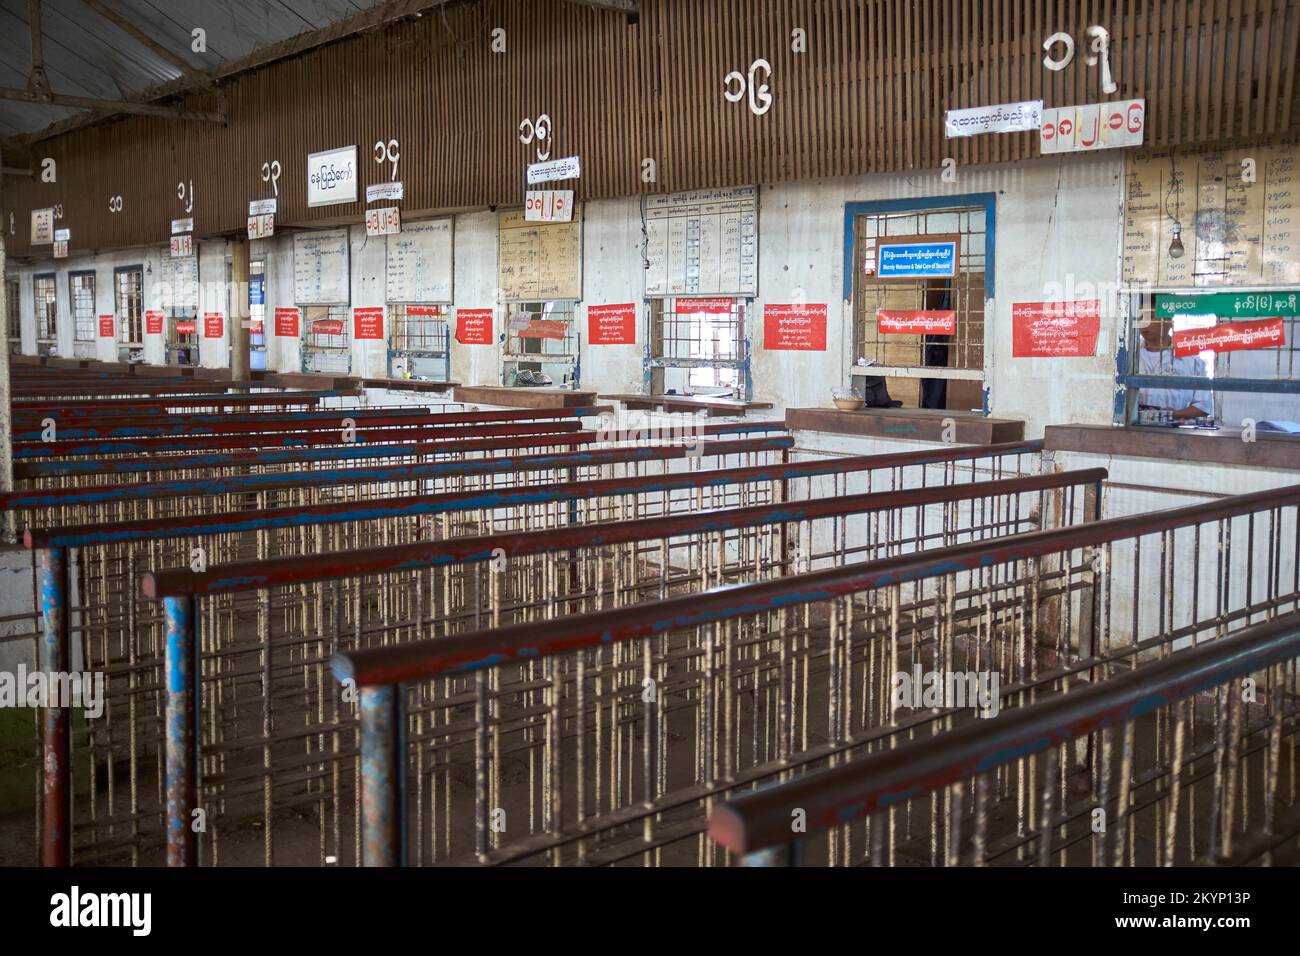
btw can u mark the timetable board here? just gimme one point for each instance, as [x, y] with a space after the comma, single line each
[180, 277]
[702, 243]
[539, 261]
[1234, 231]
[320, 268]
[419, 262]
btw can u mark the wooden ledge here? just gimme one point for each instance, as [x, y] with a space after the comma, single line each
[1222, 447]
[688, 403]
[916, 424]
[523, 397]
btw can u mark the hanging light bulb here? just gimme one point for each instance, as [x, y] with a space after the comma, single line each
[1176, 249]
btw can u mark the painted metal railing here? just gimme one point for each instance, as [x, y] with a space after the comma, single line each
[1189, 759]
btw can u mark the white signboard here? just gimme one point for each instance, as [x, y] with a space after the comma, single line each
[320, 268]
[182, 246]
[389, 191]
[262, 207]
[42, 226]
[702, 243]
[60, 248]
[549, 205]
[178, 284]
[261, 227]
[1003, 118]
[383, 221]
[419, 266]
[62, 235]
[182, 225]
[332, 177]
[1078, 129]
[568, 168]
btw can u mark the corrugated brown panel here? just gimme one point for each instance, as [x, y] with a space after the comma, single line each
[867, 95]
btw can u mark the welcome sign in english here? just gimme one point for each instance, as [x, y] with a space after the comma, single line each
[916, 258]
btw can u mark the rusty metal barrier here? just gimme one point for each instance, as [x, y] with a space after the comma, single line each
[299, 753]
[1190, 759]
[608, 737]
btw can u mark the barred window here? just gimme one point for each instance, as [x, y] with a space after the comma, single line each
[12, 310]
[46, 308]
[130, 305]
[326, 345]
[699, 343]
[81, 285]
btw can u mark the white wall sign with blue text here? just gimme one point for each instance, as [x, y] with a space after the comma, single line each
[332, 177]
[916, 257]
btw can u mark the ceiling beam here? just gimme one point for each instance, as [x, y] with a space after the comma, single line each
[619, 6]
[36, 80]
[113, 106]
[135, 33]
[15, 171]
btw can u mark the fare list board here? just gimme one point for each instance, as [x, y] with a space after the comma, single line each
[1234, 231]
[419, 262]
[539, 261]
[179, 278]
[702, 243]
[320, 268]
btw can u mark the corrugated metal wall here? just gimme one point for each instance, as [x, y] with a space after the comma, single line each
[868, 95]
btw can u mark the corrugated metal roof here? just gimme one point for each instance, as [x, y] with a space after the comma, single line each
[87, 55]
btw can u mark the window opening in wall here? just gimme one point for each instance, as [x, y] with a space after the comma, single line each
[326, 345]
[421, 340]
[929, 342]
[12, 299]
[699, 346]
[129, 298]
[257, 314]
[1213, 359]
[541, 345]
[43, 290]
[81, 289]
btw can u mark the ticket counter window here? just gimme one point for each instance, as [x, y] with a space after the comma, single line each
[326, 343]
[128, 288]
[420, 342]
[541, 346]
[257, 314]
[43, 290]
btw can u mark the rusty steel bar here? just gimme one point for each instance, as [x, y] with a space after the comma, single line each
[181, 670]
[383, 777]
[56, 659]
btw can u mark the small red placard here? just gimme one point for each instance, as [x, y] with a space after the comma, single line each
[327, 327]
[712, 306]
[611, 324]
[105, 326]
[153, 323]
[1231, 337]
[794, 327]
[474, 326]
[185, 327]
[214, 325]
[1055, 329]
[368, 323]
[286, 323]
[544, 329]
[918, 322]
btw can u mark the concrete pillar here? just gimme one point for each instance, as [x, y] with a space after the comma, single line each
[239, 312]
[6, 408]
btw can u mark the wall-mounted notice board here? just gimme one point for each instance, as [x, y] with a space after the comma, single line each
[1238, 208]
[180, 278]
[320, 268]
[702, 243]
[539, 261]
[419, 265]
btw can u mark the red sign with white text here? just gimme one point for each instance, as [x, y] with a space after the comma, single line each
[327, 327]
[214, 325]
[713, 306]
[1231, 337]
[474, 326]
[611, 324]
[185, 327]
[795, 327]
[368, 323]
[1055, 329]
[545, 329]
[917, 322]
[153, 323]
[286, 322]
[105, 326]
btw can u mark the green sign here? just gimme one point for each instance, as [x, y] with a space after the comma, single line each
[1230, 305]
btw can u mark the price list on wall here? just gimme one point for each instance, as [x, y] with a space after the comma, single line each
[180, 279]
[539, 261]
[1238, 209]
[320, 268]
[703, 243]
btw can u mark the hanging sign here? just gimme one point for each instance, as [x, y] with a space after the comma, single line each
[182, 246]
[1004, 118]
[261, 227]
[286, 323]
[182, 225]
[549, 205]
[186, 327]
[327, 327]
[105, 326]
[153, 323]
[545, 329]
[383, 221]
[1055, 329]
[1231, 337]
[917, 322]
[332, 177]
[368, 322]
[214, 325]
[62, 235]
[1076, 129]
[797, 327]
[389, 191]
[714, 306]
[42, 226]
[568, 168]
[263, 207]
[1240, 305]
[60, 249]
[611, 324]
[474, 326]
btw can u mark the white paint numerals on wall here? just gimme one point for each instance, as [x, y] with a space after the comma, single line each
[539, 130]
[115, 203]
[1099, 44]
[271, 174]
[735, 84]
[388, 152]
[185, 193]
